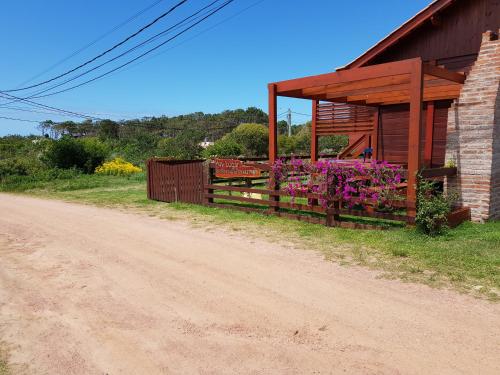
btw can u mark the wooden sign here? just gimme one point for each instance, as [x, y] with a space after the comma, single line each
[230, 168]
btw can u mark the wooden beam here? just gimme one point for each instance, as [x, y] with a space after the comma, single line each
[273, 123]
[414, 134]
[448, 91]
[437, 71]
[401, 100]
[356, 74]
[352, 146]
[359, 85]
[429, 134]
[379, 96]
[368, 90]
[314, 136]
[374, 136]
[432, 96]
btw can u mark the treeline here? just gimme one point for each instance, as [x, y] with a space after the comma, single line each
[80, 147]
[210, 126]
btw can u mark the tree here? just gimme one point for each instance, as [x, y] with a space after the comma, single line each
[287, 145]
[303, 139]
[186, 146]
[332, 144]
[282, 127]
[68, 152]
[45, 127]
[225, 147]
[253, 137]
[108, 129]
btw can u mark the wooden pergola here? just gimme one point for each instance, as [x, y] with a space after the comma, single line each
[408, 81]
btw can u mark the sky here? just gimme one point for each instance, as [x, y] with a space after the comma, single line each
[225, 62]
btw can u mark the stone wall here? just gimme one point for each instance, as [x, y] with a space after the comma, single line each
[473, 139]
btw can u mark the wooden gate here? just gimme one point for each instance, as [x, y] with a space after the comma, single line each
[175, 180]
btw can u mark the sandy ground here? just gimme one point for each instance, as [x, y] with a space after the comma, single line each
[86, 290]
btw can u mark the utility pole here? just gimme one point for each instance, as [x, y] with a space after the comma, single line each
[289, 122]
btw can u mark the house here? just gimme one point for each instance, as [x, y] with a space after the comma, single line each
[425, 97]
[206, 143]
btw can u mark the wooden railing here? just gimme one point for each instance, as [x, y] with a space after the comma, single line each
[304, 206]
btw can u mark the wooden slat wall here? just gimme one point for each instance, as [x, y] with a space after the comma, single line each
[175, 181]
[337, 118]
[393, 133]
[455, 36]
[440, 128]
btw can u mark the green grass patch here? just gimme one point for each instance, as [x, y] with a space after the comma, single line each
[4, 366]
[466, 258]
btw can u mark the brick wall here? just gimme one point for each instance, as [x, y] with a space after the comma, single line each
[473, 138]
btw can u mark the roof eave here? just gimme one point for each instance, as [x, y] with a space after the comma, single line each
[402, 31]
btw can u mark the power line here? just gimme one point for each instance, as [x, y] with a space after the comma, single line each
[154, 37]
[106, 51]
[303, 114]
[186, 40]
[19, 119]
[74, 114]
[22, 109]
[138, 57]
[196, 35]
[92, 42]
[29, 110]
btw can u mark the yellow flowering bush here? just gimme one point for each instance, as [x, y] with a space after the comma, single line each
[117, 167]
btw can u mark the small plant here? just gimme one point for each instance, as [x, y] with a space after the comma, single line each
[117, 167]
[402, 253]
[450, 164]
[433, 208]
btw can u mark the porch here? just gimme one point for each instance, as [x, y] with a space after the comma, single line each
[350, 102]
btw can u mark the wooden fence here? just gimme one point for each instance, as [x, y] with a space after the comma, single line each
[196, 182]
[175, 180]
[304, 207]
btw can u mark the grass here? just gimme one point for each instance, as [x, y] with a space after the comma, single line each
[4, 370]
[4, 367]
[466, 258]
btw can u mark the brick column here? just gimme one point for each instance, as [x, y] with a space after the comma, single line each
[473, 135]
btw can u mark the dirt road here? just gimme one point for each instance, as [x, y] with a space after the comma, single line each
[86, 290]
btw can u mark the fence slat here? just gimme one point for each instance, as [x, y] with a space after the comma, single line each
[175, 180]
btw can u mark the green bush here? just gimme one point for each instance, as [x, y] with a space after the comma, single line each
[433, 208]
[14, 166]
[67, 153]
[254, 138]
[95, 153]
[287, 145]
[332, 144]
[185, 146]
[225, 147]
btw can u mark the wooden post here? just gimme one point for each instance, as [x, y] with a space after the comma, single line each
[314, 137]
[273, 128]
[273, 140]
[374, 137]
[332, 215]
[414, 135]
[429, 134]
[209, 180]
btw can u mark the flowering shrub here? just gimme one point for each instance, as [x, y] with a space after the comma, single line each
[117, 167]
[353, 183]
